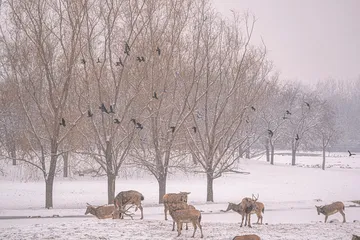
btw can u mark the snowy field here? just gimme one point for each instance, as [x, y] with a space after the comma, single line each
[288, 192]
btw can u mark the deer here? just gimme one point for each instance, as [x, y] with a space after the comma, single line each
[130, 197]
[247, 237]
[331, 209]
[101, 212]
[246, 207]
[179, 205]
[182, 213]
[119, 213]
[355, 237]
[174, 198]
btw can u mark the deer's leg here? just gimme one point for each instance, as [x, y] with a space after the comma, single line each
[242, 220]
[141, 210]
[186, 226]
[165, 210]
[326, 217]
[173, 226]
[200, 229]
[343, 214]
[195, 227]
[179, 225]
[249, 220]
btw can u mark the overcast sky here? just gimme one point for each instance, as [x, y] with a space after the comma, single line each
[308, 40]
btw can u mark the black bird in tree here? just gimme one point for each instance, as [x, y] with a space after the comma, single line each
[307, 104]
[83, 61]
[103, 108]
[172, 129]
[285, 117]
[111, 109]
[127, 49]
[297, 137]
[143, 59]
[253, 108]
[194, 128]
[133, 120]
[138, 59]
[63, 122]
[119, 63]
[116, 121]
[155, 95]
[350, 154]
[90, 114]
[98, 60]
[158, 51]
[271, 133]
[138, 125]
[288, 112]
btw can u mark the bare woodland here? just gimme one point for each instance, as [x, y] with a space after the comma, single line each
[159, 85]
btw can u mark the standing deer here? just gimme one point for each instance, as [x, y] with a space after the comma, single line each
[246, 207]
[354, 237]
[101, 212]
[178, 206]
[247, 237]
[130, 197]
[174, 198]
[185, 215]
[331, 209]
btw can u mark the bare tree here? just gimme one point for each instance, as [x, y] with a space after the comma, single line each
[41, 44]
[234, 76]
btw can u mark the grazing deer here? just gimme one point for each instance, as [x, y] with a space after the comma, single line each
[247, 237]
[181, 213]
[101, 212]
[246, 207]
[174, 198]
[130, 197]
[331, 209]
[354, 237]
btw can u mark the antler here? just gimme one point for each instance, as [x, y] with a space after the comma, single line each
[255, 198]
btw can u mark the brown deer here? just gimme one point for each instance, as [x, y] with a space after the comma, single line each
[185, 214]
[247, 237]
[354, 237]
[331, 209]
[130, 197]
[119, 213]
[245, 208]
[174, 198]
[101, 212]
[178, 206]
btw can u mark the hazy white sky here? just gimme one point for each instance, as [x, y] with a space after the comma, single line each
[308, 40]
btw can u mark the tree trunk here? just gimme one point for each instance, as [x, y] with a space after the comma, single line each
[111, 178]
[66, 164]
[162, 188]
[267, 151]
[13, 153]
[241, 151]
[110, 172]
[293, 156]
[210, 187]
[323, 155]
[49, 185]
[272, 149]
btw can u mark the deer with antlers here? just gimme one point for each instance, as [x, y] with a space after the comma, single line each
[125, 198]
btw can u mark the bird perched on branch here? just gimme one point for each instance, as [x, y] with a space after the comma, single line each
[103, 108]
[158, 51]
[63, 122]
[90, 114]
[271, 133]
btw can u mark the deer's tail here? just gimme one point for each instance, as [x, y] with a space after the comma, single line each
[263, 210]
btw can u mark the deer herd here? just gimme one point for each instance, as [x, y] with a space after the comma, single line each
[181, 212]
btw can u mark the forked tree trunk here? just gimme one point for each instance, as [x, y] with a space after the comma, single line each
[210, 187]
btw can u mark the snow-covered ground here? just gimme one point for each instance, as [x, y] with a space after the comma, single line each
[288, 192]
